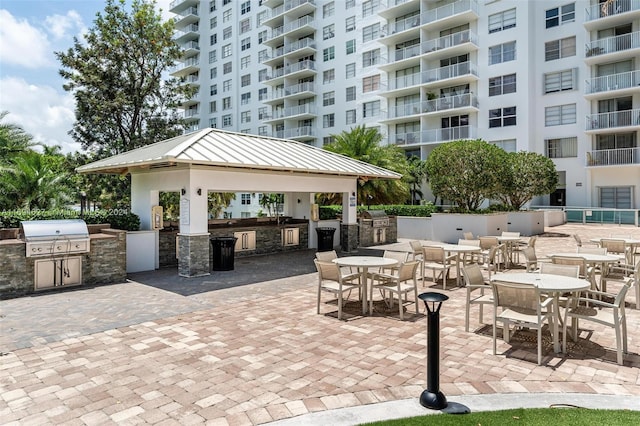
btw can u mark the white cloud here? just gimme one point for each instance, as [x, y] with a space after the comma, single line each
[41, 111]
[22, 44]
[65, 26]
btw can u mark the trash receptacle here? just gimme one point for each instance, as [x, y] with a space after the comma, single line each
[223, 253]
[325, 238]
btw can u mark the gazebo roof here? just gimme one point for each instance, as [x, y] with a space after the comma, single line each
[218, 148]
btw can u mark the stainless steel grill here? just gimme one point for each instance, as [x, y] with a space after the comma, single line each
[54, 237]
[378, 218]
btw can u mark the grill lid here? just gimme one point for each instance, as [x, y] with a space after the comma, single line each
[38, 230]
[374, 214]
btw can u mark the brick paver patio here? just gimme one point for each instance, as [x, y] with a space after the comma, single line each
[254, 354]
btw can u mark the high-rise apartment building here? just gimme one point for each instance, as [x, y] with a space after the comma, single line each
[556, 77]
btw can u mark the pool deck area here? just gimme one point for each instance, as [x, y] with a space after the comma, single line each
[246, 347]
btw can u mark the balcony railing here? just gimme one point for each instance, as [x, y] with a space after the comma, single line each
[299, 88]
[613, 44]
[276, 52]
[300, 66]
[190, 11]
[191, 113]
[611, 8]
[449, 134]
[299, 110]
[405, 81]
[409, 138]
[451, 71]
[451, 102]
[276, 73]
[448, 10]
[407, 52]
[277, 94]
[405, 24]
[405, 110]
[301, 44]
[607, 83]
[192, 28]
[450, 40]
[191, 45]
[295, 133]
[295, 3]
[613, 157]
[191, 62]
[611, 120]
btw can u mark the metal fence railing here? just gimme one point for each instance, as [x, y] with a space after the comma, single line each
[597, 215]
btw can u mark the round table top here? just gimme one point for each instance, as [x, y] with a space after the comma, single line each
[589, 257]
[546, 282]
[461, 248]
[509, 239]
[364, 261]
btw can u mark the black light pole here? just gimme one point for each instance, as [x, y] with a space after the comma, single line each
[83, 201]
[432, 397]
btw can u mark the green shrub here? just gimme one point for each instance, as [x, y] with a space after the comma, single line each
[117, 218]
[330, 212]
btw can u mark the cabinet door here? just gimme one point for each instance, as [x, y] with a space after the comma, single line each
[72, 271]
[45, 270]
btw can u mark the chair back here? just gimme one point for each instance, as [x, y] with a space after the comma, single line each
[516, 296]
[530, 254]
[510, 234]
[408, 270]
[468, 235]
[613, 246]
[578, 240]
[492, 258]
[475, 243]
[416, 246]
[472, 274]
[433, 254]
[560, 269]
[592, 250]
[532, 241]
[326, 256]
[487, 242]
[327, 270]
[400, 256]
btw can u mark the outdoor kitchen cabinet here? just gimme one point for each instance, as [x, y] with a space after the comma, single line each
[56, 272]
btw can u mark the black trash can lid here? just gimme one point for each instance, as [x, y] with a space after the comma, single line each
[325, 229]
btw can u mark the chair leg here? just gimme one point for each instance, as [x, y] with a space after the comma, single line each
[618, 343]
[539, 344]
[340, 305]
[318, 306]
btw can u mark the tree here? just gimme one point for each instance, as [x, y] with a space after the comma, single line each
[218, 201]
[13, 140]
[363, 144]
[527, 175]
[466, 172]
[122, 102]
[415, 177]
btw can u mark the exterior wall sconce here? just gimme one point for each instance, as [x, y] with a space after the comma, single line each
[299, 200]
[183, 191]
[199, 191]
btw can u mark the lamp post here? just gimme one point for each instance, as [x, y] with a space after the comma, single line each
[83, 201]
[432, 397]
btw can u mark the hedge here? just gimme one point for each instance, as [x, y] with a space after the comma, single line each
[330, 212]
[117, 218]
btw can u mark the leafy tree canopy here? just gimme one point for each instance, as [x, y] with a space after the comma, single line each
[466, 172]
[122, 102]
[527, 175]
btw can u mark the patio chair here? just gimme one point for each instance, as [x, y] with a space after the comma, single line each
[615, 247]
[510, 234]
[332, 280]
[476, 288]
[400, 256]
[519, 247]
[416, 247]
[520, 305]
[470, 257]
[328, 256]
[592, 307]
[530, 259]
[468, 235]
[400, 282]
[436, 259]
[626, 274]
[486, 243]
[592, 250]
[491, 262]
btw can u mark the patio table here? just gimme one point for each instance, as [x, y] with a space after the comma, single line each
[509, 243]
[457, 249]
[363, 263]
[634, 243]
[552, 284]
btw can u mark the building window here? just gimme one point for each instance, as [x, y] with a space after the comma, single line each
[502, 117]
[213, 123]
[225, 2]
[263, 55]
[213, 89]
[245, 117]
[369, 84]
[370, 33]
[328, 9]
[226, 68]
[351, 93]
[213, 22]
[350, 70]
[502, 53]
[262, 94]
[561, 15]
[226, 15]
[213, 73]
[226, 120]
[245, 43]
[350, 46]
[262, 16]
[560, 81]
[226, 103]
[245, 62]
[350, 116]
[226, 51]
[560, 114]
[562, 148]
[262, 131]
[226, 85]
[371, 58]
[502, 20]
[502, 85]
[329, 53]
[213, 107]
[350, 24]
[328, 140]
[328, 32]
[262, 113]
[245, 199]
[328, 76]
[328, 98]
[562, 48]
[213, 56]
[370, 109]
[616, 197]
[508, 145]
[262, 36]
[245, 7]
[262, 75]
[226, 33]
[350, 3]
[213, 39]
[245, 26]
[370, 7]
[245, 98]
[328, 120]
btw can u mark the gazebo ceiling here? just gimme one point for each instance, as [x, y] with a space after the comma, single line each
[217, 148]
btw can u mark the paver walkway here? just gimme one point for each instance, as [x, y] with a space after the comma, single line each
[255, 353]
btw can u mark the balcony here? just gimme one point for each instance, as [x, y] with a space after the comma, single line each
[405, 110]
[467, 101]
[450, 45]
[613, 85]
[449, 134]
[302, 90]
[187, 67]
[451, 14]
[410, 138]
[456, 73]
[407, 52]
[301, 69]
[306, 46]
[177, 5]
[611, 14]
[299, 112]
[304, 133]
[190, 113]
[399, 85]
[192, 79]
[613, 157]
[603, 122]
[292, 29]
[276, 56]
[276, 96]
[190, 48]
[190, 32]
[395, 31]
[188, 16]
[612, 48]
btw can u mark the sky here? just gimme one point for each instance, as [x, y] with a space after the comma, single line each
[30, 85]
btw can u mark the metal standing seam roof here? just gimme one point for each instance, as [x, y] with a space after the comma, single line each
[215, 147]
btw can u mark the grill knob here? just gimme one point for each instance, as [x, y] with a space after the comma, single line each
[33, 249]
[58, 248]
[39, 248]
[77, 246]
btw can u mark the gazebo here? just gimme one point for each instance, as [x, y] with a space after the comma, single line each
[221, 161]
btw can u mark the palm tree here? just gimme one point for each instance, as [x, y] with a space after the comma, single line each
[417, 173]
[363, 144]
[13, 139]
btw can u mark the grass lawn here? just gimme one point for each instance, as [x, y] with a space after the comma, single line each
[522, 416]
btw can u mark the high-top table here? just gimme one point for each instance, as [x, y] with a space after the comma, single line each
[363, 263]
[552, 284]
[457, 249]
